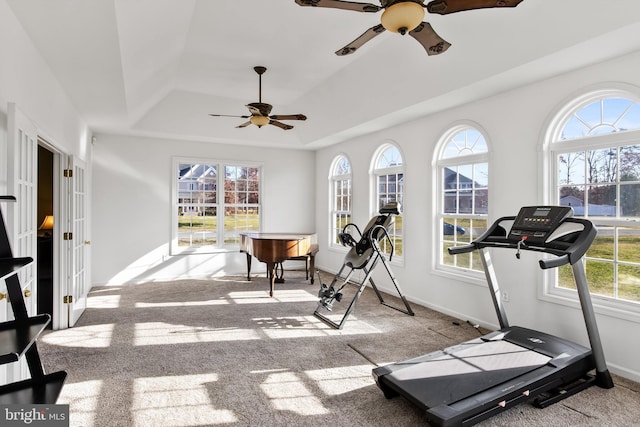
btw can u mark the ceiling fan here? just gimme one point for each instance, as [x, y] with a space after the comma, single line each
[260, 111]
[405, 16]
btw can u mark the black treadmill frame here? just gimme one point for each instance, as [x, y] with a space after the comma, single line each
[550, 382]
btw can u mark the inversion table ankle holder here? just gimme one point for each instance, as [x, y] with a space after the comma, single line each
[363, 255]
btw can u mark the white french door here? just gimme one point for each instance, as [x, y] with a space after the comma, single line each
[22, 182]
[78, 244]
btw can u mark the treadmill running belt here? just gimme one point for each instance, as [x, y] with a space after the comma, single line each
[463, 370]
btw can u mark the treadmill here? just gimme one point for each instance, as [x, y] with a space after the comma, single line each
[472, 381]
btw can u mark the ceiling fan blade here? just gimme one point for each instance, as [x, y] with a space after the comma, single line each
[357, 43]
[444, 7]
[226, 115]
[429, 39]
[339, 4]
[288, 117]
[280, 125]
[244, 125]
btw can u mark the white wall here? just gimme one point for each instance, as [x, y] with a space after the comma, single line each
[25, 79]
[515, 122]
[132, 178]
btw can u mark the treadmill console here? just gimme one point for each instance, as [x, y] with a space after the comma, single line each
[536, 223]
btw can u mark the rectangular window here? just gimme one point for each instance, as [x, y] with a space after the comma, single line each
[465, 201]
[341, 215]
[205, 221]
[390, 189]
[603, 185]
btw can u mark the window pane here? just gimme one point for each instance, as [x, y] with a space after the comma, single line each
[602, 200]
[603, 245]
[630, 200]
[630, 163]
[574, 197]
[602, 165]
[342, 167]
[571, 168]
[600, 277]
[603, 116]
[628, 244]
[197, 226]
[238, 220]
[390, 157]
[629, 282]
[464, 143]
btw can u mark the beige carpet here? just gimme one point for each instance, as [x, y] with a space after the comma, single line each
[221, 352]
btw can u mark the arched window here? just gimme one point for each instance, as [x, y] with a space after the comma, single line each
[341, 193]
[463, 195]
[388, 174]
[594, 149]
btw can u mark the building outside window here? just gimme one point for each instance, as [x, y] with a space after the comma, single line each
[206, 219]
[341, 192]
[463, 196]
[595, 153]
[388, 175]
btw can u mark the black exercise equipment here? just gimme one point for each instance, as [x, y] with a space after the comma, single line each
[469, 382]
[363, 255]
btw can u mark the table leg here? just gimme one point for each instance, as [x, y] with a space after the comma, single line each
[248, 266]
[271, 272]
[279, 273]
[312, 266]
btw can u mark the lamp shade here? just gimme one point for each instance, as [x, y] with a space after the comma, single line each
[402, 17]
[259, 120]
[47, 224]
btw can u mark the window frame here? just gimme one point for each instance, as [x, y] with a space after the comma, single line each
[333, 179]
[553, 146]
[220, 205]
[440, 162]
[375, 173]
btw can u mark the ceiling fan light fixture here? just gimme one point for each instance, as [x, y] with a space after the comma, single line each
[259, 120]
[402, 17]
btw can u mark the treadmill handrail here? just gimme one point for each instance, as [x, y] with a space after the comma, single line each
[567, 251]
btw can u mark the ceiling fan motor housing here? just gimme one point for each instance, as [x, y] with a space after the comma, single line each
[402, 17]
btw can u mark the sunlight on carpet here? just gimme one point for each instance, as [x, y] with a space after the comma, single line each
[82, 336]
[103, 301]
[83, 399]
[341, 380]
[287, 392]
[160, 398]
[279, 295]
[160, 333]
[180, 304]
[308, 326]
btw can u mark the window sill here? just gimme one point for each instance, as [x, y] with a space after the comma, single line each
[203, 251]
[462, 275]
[617, 309]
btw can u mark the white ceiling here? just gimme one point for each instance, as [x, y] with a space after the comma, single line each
[158, 67]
